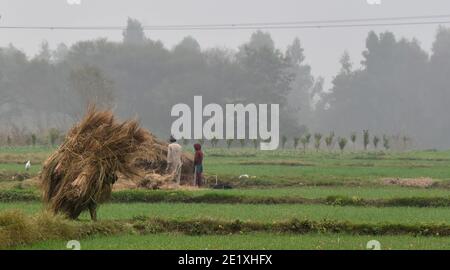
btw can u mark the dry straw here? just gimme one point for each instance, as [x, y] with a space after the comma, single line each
[83, 169]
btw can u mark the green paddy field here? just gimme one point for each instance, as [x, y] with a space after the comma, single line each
[291, 200]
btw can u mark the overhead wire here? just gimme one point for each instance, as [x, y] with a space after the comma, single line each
[307, 24]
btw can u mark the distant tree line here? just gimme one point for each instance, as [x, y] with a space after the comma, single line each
[319, 142]
[140, 77]
[399, 89]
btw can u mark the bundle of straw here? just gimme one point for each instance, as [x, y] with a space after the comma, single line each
[157, 166]
[81, 172]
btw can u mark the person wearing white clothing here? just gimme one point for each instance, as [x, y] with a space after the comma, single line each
[174, 163]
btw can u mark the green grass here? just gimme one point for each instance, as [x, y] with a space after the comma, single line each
[326, 173]
[320, 192]
[291, 168]
[347, 196]
[389, 192]
[18, 229]
[247, 212]
[279, 196]
[20, 155]
[166, 241]
[26, 149]
[286, 167]
[276, 212]
[13, 168]
[274, 174]
[6, 185]
[26, 207]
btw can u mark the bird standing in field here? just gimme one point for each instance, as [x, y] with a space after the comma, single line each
[28, 165]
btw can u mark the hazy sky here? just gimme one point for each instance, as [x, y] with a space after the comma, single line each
[323, 47]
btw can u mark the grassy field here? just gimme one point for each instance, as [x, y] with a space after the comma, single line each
[287, 167]
[250, 241]
[274, 177]
[312, 166]
[252, 212]
[317, 192]
[14, 168]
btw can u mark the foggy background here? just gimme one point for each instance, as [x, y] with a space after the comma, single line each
[392, 80]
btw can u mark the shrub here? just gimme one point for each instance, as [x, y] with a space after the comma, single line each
[376, 140]
[317, 141]
[255, 143]
[305, 141]
[243, 142]
[229, 143]
[386, 142]
[33, 139]
[284, 140]
[18, 195]
[53, 136]
[366, 138]
[353, 137]
[342, 143]
[329, 140]
[214, 142]
[296, 141]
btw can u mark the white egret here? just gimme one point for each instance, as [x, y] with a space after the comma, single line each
[28, 165]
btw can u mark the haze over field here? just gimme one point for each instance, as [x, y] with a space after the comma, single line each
[393, 81]
[323, 46]
[276, 124]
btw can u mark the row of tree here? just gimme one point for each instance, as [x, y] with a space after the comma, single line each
[54, 136]
[139, 76]
[399, 88]
[51, 137]
[317, 140]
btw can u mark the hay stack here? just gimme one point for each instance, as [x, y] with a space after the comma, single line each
[158, 165]
[81, 172]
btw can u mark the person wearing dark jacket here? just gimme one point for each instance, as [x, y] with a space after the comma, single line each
[198, 165]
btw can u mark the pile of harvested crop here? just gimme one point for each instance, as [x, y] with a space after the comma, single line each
[81, 172]
[156, 168]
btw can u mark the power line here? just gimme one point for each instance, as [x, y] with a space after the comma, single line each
[310, 21]
[225, 28]
[304, 26]
[343, 23]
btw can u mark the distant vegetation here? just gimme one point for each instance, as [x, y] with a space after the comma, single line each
[400, 89]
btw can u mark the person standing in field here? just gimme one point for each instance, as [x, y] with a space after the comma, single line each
[198, 165]
[174, 163]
